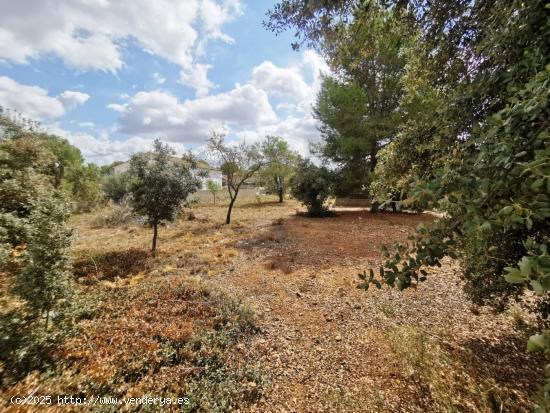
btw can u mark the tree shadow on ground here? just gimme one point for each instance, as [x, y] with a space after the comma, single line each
[504, 360]
[108, 266]
[261, 204]
[302, 242]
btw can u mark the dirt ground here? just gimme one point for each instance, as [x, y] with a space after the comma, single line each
[327, 346]
[322, 345]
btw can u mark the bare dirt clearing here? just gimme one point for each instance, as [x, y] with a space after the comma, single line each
[330, 347]
[318, 343]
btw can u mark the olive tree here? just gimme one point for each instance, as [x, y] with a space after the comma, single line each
[280, 165]
[160, 184]
[238, 164]
[214, 188]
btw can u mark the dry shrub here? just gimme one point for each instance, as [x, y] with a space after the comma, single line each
[175, 337]
[117, 215]
[279, 263]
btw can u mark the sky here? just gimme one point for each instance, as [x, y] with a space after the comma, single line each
[113, 75]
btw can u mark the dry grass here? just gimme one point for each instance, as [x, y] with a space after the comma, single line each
[224, 309]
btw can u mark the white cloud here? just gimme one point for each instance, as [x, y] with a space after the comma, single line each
[213, 15]
[89, 125]
[117, 107]
[197, 78]
[160, 113]
[244, 111]
[298, 126]
[279, 81]
[34, 102]
[159, 78]
[102, 149]
[299, 132]
[71, 100]
[89, 34]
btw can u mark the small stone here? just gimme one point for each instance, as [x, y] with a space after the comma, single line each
[338, 337]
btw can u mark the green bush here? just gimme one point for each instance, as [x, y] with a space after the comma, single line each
[116, 186]
[312, 185]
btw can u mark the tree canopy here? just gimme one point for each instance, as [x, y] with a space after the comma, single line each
[238, 163]
[359, 107]
[159, 185]
[280, 165]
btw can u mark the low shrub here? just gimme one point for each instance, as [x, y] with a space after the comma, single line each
[312, 185]
[116, 215]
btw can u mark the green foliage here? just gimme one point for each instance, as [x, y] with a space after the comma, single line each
[84, 184]
[116, 186]
[24, 173]
[33, 250]
[347, 141]
[238, 163]
[24, 346]
[44, 278]
[359, 109]
[80, 181]
[312, 185]
[160, 185]
[214, 188]
[493, 184]
[30, 160]
[66, 156]
[493, 191]
[280, 164]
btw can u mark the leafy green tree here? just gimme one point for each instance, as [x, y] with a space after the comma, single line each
[312, 185]
[160, 185]
[24, 173]
[44, 279]
[80, 180]
[238, 164]
[359, 108]
[214, 188]
[54, 158]
[34, 241]
[66, 156]
[280, 164]
[116, 186]
[84, 184]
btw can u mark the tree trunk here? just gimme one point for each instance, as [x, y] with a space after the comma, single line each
[214, 198]
[281, 195]
[155, 231]
[228, 219]
[58, 176]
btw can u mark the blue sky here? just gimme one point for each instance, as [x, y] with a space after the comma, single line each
[112, 76]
